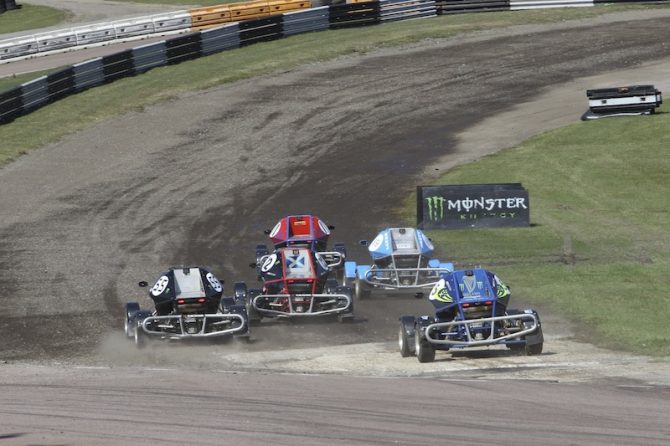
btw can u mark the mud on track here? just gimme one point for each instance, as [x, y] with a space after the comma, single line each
[196, 180]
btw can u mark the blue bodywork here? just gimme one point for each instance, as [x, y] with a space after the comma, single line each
[470, 311]
[383, 245]
[401, 259]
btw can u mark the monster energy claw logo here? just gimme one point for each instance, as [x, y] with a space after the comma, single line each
[436, 207]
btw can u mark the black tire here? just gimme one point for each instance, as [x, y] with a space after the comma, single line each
[424, 351]
[331, 286]
[129, 324]
[140, 338]
[253, 318]
[225, 304]
[345, 318]
[535, 349]
[240, 292]
[360, 290]
[403, 342]
[516, 348]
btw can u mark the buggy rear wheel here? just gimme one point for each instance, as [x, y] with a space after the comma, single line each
[403, 342]
[424, 351]
[131, 309]
[140, 337]
[361, 290]
[253, 317]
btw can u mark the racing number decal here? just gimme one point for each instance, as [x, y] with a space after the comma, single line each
[324, 228]
[214, 282]
[275, 230]
[268, 263]
[160, 286]
[377, 242]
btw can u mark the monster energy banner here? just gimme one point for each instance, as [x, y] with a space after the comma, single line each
[472, 206]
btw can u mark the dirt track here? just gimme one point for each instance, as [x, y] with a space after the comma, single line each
[196, 180]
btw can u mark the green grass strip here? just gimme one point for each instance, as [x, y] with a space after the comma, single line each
[598, 250]
[30, 17]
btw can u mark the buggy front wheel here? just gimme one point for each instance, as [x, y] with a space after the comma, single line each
[403, 342]
[424, 351]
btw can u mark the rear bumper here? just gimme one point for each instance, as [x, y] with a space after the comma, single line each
[195, 325]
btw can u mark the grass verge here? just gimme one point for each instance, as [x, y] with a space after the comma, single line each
[30, 17]
[598, 250]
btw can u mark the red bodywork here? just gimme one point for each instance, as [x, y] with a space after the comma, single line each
[296, 272]
[300, 230]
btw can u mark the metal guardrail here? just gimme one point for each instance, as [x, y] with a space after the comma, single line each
[465, 6]
[84, 36]
[196, 19]
[516, 5]
[394, 10]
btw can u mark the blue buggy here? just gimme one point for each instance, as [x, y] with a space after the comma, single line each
[401, 262]
[470, 311]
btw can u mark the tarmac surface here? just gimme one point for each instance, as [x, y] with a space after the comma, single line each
[197, 179]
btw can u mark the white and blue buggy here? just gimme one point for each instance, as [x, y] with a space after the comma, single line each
[470, 311]
[401, 263]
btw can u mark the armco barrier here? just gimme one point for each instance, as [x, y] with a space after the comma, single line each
[393, 10]
[11, 104]
[183, 48]
[149, 56]
[56, 40]
[463, 6]
[60, 83]
[282, 6]
[118, 65]
[34, 94]
[220, 39]
[89, 74]
[354, 14]
[516, 5]
[209, 16]
[196, 19]
[260, 30]
[22, 46]
[94, 34]
[135, 27]
[315, 19]
[71, 38]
